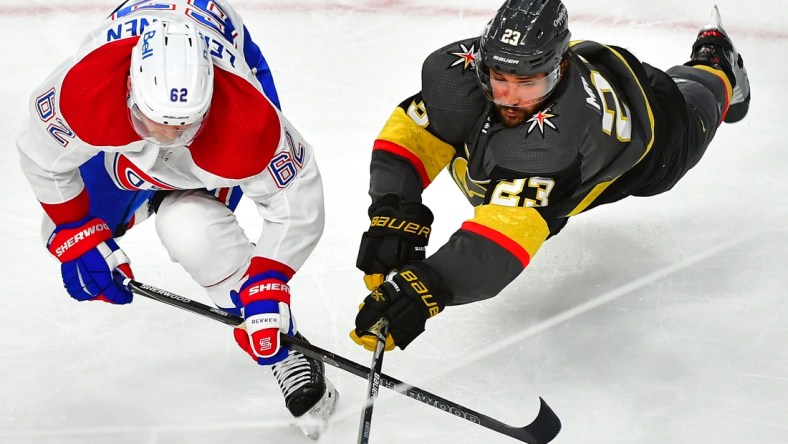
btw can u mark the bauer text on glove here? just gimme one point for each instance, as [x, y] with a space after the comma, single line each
[410, 298]
[398, 233]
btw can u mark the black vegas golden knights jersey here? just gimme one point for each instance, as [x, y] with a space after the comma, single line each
[525, 181]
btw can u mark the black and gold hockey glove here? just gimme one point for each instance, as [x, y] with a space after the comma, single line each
[398, 233]
[406, 301]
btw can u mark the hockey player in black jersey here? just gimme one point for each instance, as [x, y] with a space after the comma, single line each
[534, 129]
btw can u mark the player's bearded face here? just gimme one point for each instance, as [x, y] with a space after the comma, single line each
[513, 116]
[518, 97]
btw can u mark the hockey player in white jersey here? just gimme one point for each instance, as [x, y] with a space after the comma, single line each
[169, 108]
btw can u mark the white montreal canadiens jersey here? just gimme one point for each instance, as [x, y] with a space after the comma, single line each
[80, 111]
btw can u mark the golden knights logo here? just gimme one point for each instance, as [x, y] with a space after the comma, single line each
[465, 57]
[474, 190]
[541, 120]
[378, 295]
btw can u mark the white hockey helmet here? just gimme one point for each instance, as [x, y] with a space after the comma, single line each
[171, 83]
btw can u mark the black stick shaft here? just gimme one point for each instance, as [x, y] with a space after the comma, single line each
[542, 430]
[373, 382]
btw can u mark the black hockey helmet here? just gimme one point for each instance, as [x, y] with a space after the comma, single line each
[526, 37]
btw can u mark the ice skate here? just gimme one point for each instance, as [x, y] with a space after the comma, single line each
[309, 396]
[714, 48]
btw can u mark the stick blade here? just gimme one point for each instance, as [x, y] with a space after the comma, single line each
[543, 429]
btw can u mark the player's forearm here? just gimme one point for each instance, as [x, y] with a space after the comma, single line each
[290, 242]
[488, 252]
[61, 194]
[391, 174]
[473, 268]
[293, 219]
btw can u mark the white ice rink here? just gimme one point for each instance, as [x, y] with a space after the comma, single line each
[651, 321]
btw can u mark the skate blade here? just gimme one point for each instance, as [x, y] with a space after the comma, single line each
[315, 421]
[715, 21]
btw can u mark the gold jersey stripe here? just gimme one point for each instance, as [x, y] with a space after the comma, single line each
[722, 76]
[433, 153]
[521, 231]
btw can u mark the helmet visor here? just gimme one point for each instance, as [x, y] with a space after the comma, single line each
[166, 136]
[518, 91]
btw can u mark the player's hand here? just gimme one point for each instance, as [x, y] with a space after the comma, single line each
[398, 233]
[265, 302]
[407, 301]
[90, 261]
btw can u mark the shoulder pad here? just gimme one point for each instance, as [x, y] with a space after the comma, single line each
[242, 132]
[92, 96]
[451, 90]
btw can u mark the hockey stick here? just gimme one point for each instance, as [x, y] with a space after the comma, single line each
[542, 430]
[381, 331]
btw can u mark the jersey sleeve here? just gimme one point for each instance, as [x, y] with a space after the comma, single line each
[288, 196]
[50, 154]
[77, 112]
[488, 252]
[407, 155]
[425, 131]
[54, 178]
